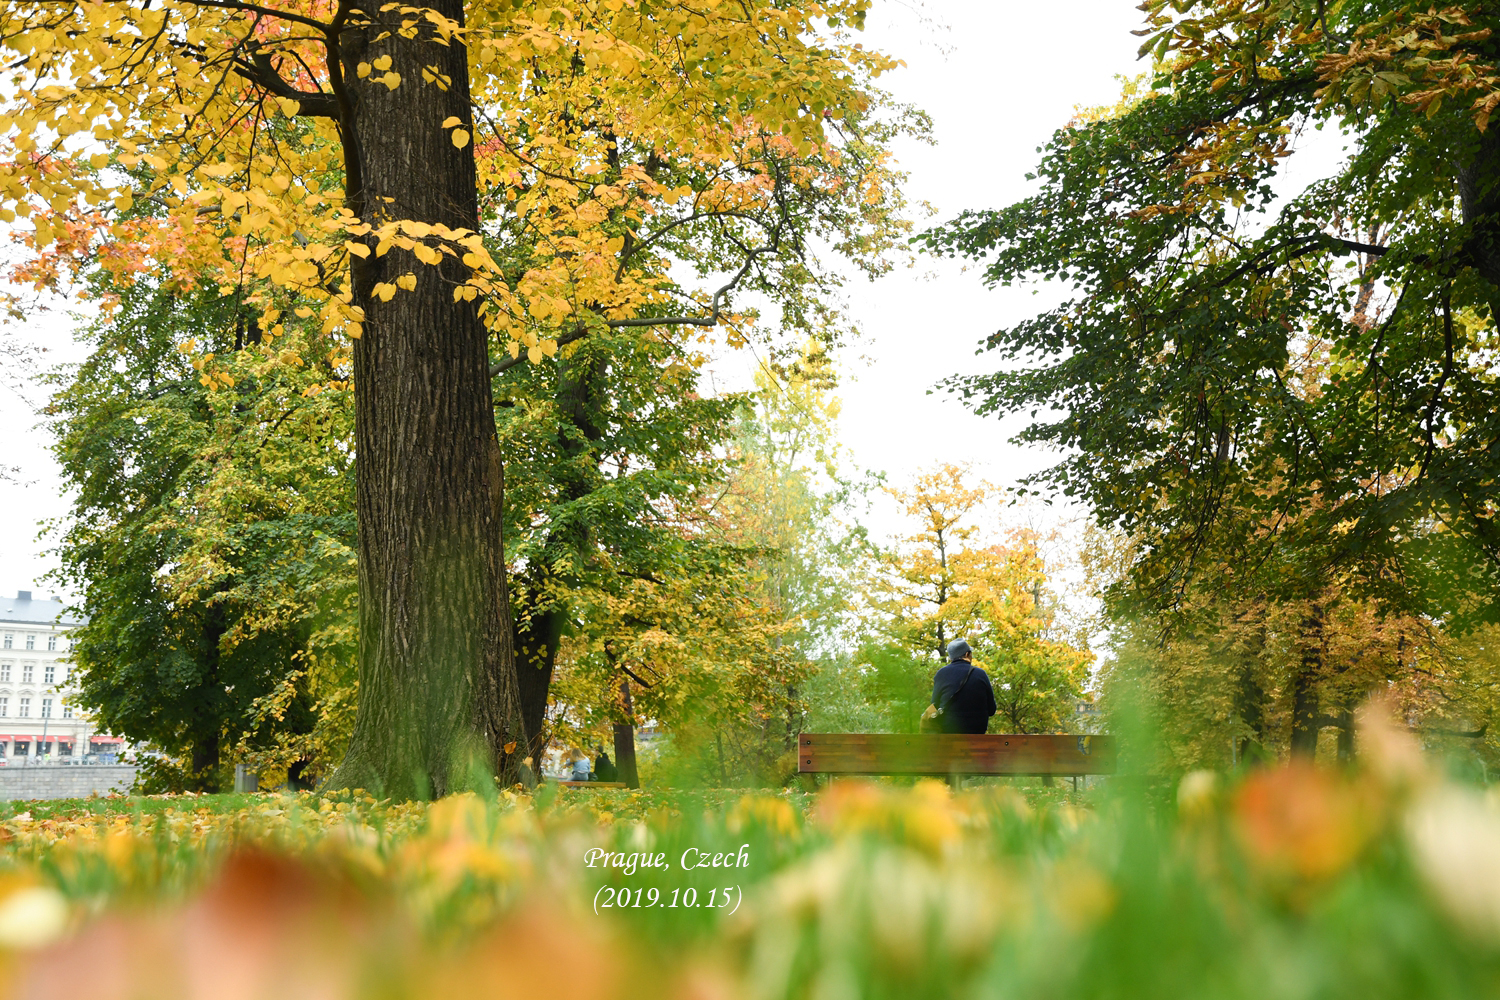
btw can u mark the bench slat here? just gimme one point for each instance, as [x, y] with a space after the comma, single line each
[592, 784]
[950, 753]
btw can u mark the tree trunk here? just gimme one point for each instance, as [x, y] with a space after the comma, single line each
[1478, 175]
[540, 627]
[537, 636]
[1305, 687]
[205, 763]
[1346, 736]
[625, 738]
[438, 700]
[209, 721]
[1250, 705]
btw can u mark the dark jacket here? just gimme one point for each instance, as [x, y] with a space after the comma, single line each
[966, 711]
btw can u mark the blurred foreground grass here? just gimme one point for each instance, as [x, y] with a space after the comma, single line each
[1288, 883]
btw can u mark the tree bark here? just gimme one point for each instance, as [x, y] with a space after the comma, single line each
[540, 628]
[1305, 713]
[1346, 736]
[538, 633]
[210, 712]
[1478, 175]
[1250, 704]
[625, 738]
[438, 700]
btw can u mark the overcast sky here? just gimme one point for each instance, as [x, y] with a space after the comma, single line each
[998, 77]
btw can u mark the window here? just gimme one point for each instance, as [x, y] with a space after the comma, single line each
[9, 640]
[4, 707]
[65, 749]
[21, 747]
[52, 642]
[25, 712]
[46, 708]
[31, 642]
[4, 673]
[26, 672]
[67, 710]
[49, 674]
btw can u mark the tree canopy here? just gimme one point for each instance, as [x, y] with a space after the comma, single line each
[1258, 382]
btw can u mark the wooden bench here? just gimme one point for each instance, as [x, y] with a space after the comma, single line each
[947, 754]
[592, 784]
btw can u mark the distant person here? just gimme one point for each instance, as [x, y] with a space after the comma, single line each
[580, 766]
[604, 768]
[961, 692]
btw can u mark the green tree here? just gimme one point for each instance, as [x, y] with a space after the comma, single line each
[1295, 383]
[715, 641]
[949, 581]
[210, 533]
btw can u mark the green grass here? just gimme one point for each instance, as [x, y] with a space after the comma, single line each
[1288, 883]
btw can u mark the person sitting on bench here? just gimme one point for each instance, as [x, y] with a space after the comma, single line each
[961, 693]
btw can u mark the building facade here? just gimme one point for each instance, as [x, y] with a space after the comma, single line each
[37, 722]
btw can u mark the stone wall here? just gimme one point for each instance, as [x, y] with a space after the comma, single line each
[63, 781]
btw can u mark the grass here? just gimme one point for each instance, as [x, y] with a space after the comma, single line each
[1283, 883]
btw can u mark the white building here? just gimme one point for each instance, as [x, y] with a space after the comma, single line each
[37, 722]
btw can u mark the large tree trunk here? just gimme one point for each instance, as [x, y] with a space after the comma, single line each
[438, 704]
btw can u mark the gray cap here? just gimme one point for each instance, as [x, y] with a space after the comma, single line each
[958, 649]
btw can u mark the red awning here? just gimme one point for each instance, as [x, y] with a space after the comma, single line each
[106, 739]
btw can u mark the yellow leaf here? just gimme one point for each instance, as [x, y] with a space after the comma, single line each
[382, 63]
[460, 138]
[392, 80]
[384, 291]
[407, 281]
[363, 70]
[451, 121]
[510, 747]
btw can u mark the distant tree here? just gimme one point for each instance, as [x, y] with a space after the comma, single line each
[949, 581]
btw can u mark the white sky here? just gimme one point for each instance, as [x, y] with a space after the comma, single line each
[998, 77]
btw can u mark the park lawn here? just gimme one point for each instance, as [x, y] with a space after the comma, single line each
[1285, 883]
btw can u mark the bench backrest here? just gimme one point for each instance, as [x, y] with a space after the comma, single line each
[944, 754]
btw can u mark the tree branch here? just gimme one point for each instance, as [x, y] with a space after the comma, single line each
[259, 71]
[259, 11]
[616, 324]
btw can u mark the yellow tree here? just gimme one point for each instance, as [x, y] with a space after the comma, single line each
[327, 158]
[949, 580]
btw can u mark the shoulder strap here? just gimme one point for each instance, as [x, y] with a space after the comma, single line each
[956, 693]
